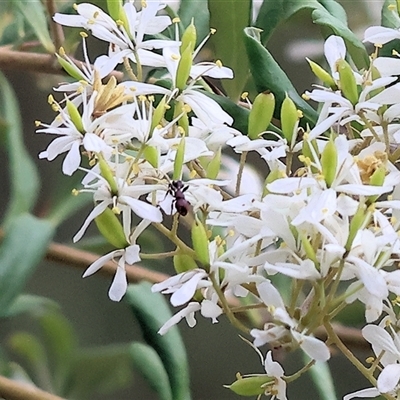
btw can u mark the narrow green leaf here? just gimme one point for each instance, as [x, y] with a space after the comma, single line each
[23, 174]
[35, 16]
[268, 75]
[25, 242]
[61, 342]
[229, 18]
[354, 46]
[322, 378]
[98, 370]
[28, 347]
[388, 18]
[148, 363]
[31, 304]
[151, 311]
[198, 11]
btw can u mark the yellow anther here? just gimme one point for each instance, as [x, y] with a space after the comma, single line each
[61, 52]
[300, 113]
[244, 95]
[75, 192]
[219, 63]
[83, 34]
[176, 20]
[305, 96]
[116, 210]
[175, 57]
[37, 123]
[212, 31]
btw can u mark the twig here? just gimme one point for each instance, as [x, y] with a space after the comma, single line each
[13, 390]
[37, 62]
[56, 30]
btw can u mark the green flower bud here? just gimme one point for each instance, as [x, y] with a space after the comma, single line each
[322, 75]
[189, 38]
[329, 161]
[377, 179]
[214, 165]
[107, 174]
[183, 70]
[179, 158]
[251, 385]
[200, 242]
[183, 263]
[289, 119]
[309, 249]
[261, 114]
[360, 218]
[75, 116]
[109, 226]
[69, 69]
[117, 13]
[347, 80]
[158, 115]
[150, 154]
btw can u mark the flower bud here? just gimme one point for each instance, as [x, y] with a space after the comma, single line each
[329, 161]
[200, 242]
[158, 115]
[183, 70]
[75, 116]
[377, 179]
[117, 13]
[322, 75]
[289, 119]
[251, 385]
[261, 114]
[179, 158]
[348, 84]
[359, 219]
[188, 40]
[109, 226]
[183, 263]
[107, 174]
[69, 69]
[214, 165]
[151, 154]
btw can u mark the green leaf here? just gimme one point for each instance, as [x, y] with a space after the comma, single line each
[31, 304]
[322, 378]
[388, 18]
[23, 174]
[152, 311]
[100, 369]
[229, 18]
[32, 351]
[148, 363]
[268, 75]
[61, 342]
[35, 16]
[198, 10]
[25, 242]
[327, 13]
[354, 46]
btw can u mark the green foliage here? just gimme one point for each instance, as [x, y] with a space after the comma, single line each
[151, 311]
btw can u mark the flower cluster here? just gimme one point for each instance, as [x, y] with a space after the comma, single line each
[327, 225]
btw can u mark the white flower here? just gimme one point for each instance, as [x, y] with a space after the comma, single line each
[269, 295]
[125, 200]
[127, 40]
[380, 35]
[129, 255]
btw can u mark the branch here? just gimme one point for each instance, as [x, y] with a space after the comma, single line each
[13, 390]
[56, 29]
[37, 62]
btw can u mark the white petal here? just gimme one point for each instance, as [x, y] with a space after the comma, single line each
[72, 160]
[119, 284]
[187, 312]
[142, 209]
[210, 310]
[361, 394]
[388, 378]
[313, 347]
[94, 267]
[187, 290]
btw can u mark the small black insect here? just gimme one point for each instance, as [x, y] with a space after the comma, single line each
[177, 190]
